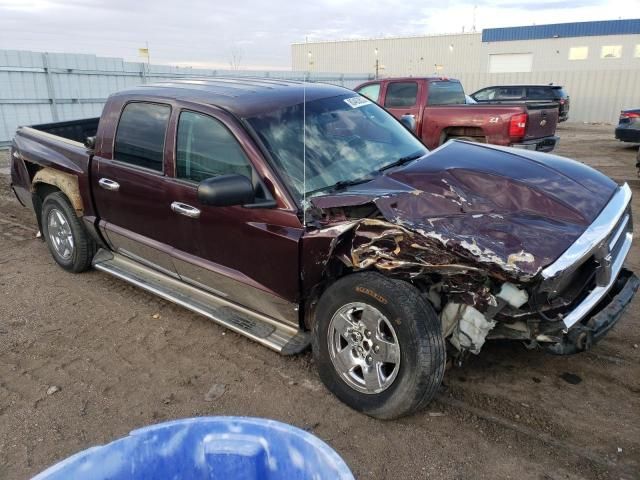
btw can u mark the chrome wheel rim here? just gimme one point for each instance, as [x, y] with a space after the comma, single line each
[364, 348]
[60, 236]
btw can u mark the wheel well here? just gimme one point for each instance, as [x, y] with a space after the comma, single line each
[40, 192]
[452, 132]
[48, 178]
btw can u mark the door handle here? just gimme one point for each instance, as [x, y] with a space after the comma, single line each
[109, 184]
[186, 210]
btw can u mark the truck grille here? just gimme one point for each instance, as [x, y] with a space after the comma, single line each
[596, 258]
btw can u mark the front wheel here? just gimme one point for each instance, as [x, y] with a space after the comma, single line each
[378, 345]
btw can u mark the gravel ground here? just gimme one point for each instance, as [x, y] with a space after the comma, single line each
[123, 359]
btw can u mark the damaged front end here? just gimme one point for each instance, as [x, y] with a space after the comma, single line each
[491, 271]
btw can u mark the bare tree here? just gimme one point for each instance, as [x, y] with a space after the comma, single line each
[235, 56]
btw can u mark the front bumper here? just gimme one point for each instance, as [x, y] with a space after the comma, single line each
[545, 144]
[582, 335]
[628, 134]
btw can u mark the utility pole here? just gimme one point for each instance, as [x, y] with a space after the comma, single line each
[377, 63]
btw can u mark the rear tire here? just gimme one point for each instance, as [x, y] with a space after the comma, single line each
[70, 245]
[378, 345]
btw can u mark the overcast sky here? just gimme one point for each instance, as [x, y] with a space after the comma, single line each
[206, 32]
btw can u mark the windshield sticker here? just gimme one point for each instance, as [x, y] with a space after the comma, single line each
[357, 102]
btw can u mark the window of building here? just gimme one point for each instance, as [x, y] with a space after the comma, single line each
[207, 149]
[611, 51]
[401, 94]
[578, 53]
[371, 91]
[140, 135]
[636, 52]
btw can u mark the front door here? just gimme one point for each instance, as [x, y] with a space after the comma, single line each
[129, 188]
[247, 255]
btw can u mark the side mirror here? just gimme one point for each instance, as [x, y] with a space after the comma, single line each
[226, 190]
[90, 142]
[409, 121]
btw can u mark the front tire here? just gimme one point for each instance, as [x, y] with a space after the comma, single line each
[378, 345]
[70, 245]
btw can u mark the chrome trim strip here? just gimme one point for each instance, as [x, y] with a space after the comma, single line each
[598, 292]
[593, 236]
[280, 337]
[621, 229]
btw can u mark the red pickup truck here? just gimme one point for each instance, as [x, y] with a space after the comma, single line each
[305, 214]
[436, 110]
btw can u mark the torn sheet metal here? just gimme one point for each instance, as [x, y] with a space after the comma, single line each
[511, 215]
[66, 182]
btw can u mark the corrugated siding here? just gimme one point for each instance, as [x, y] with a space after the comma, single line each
[562, 30]
[38, 87]
[596, 95]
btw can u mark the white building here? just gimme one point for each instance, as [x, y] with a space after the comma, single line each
[597, 62]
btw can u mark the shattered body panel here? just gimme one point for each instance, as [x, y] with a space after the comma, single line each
[464, 220]
[478, 207]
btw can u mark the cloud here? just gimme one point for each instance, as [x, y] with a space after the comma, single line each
[206, 33]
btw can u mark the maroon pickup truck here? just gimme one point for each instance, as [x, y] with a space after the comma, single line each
[436, 110]
[304, 214]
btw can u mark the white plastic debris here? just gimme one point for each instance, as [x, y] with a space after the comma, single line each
[513, 295]
[472, 330]
[53, 389]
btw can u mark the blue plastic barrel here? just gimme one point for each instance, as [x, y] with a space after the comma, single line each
[218, 448]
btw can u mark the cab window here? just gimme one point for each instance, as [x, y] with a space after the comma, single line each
[140, 135]
[485, 95]
[371, 91]
[401, 94]
[205, 149]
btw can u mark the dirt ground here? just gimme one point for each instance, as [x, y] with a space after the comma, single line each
[123, 359]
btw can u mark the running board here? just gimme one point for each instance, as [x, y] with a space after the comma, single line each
[284, 339]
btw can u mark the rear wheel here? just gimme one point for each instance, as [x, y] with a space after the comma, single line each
[70, 245]
[378, 345]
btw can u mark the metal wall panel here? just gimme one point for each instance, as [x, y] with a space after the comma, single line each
[38, 87]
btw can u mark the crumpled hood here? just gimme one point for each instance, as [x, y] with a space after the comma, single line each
[516, 209]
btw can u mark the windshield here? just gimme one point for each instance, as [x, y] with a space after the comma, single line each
[348, 138]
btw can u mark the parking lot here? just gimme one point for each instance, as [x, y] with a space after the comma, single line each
[121, 358]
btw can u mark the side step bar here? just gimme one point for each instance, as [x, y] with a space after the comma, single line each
[282, 338]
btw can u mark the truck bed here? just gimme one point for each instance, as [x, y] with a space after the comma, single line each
[59, 145]
[76, 130]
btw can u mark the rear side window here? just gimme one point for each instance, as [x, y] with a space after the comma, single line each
[446, 93]
[509, 93]
[486, 94]
[140, 135]
[372, 91]
[539, 93]
[207, 149]
[401, 94]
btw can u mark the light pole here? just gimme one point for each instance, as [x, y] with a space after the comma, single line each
[377, 63]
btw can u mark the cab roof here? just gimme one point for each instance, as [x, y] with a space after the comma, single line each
[242, 96]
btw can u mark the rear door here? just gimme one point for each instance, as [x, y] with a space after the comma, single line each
[129, 185]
